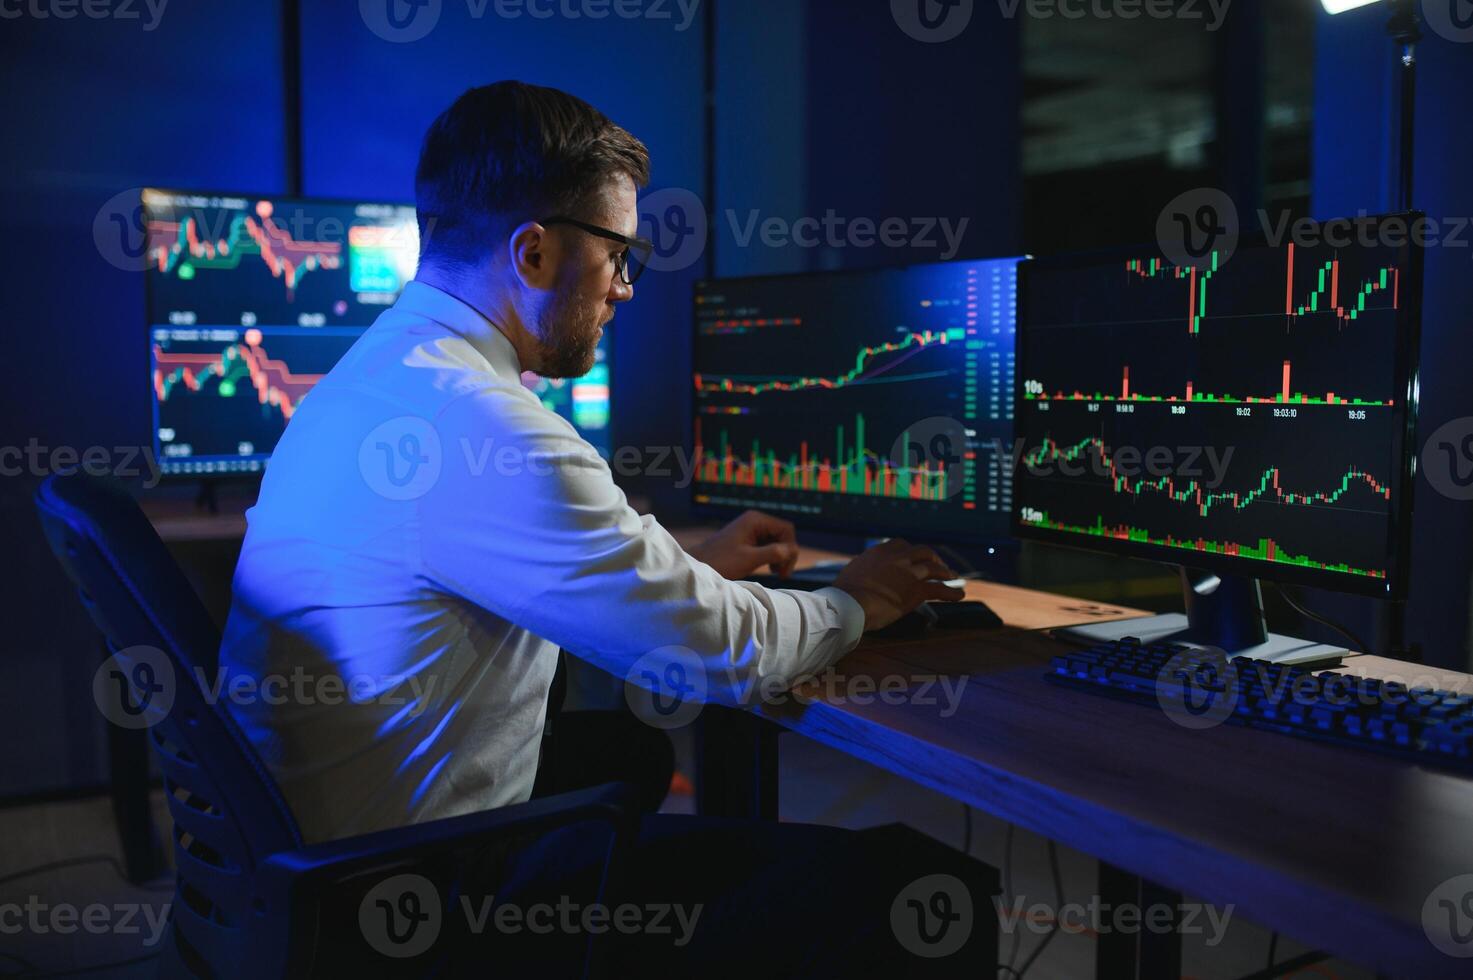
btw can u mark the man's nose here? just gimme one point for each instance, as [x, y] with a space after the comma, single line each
[620, 291]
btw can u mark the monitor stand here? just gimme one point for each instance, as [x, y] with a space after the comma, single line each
[207, 499]
[1222, 611]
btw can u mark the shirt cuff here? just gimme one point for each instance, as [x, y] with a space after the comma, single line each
[851, 615]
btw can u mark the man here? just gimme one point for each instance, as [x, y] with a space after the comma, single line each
[430, 534]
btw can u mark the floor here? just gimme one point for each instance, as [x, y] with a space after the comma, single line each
[818, 785]
[90, 917]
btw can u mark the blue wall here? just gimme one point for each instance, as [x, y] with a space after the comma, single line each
[844, 112]
[90, 108]
[1354, 169]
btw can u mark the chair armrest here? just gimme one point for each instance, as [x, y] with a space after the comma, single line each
[292, 883]
[611, 801]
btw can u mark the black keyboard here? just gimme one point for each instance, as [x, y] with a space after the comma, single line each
[1202, 688]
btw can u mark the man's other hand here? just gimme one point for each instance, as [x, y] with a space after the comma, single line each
[746, 544]
[891, 579]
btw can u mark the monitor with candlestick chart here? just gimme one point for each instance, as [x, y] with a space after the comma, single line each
[1250, 412]
[251, 300]
[876, 401]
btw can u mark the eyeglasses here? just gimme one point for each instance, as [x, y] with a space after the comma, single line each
[631, 262]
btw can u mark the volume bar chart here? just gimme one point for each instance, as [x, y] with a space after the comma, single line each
[1285, 396]
[854, 468]
[1267, 549]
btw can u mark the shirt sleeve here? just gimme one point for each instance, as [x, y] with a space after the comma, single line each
[525, 520]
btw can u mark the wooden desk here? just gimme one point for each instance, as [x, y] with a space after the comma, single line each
[179, 518]
[1334, 847]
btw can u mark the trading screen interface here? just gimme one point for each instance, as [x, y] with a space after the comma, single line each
[252, 300]
[583, 401]
[1251, 407]
[878, 400]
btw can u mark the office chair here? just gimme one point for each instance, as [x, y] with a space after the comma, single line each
[251, 898]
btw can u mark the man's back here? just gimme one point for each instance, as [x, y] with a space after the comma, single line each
[397, 700]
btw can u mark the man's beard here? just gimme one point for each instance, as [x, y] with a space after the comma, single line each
[568, 340]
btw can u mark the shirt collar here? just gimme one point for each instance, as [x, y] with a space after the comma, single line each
[433, 303]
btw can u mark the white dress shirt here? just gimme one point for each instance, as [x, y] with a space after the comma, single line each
[427, 535]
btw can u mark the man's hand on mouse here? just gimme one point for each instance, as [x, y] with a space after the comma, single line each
[891, 579]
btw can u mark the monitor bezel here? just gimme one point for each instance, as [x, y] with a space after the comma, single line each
[247, 473]
[959, 535]
[1398, 545]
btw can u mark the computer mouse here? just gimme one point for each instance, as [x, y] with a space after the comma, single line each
[912, 624]
[965, 616]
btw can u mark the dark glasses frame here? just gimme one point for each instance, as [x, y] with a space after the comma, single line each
[631, 262]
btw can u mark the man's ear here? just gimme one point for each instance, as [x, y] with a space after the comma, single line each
[533, 255]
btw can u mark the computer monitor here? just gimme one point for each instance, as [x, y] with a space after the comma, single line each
[252, 299]
[1248, 415]
[583, 401]
[876, 402]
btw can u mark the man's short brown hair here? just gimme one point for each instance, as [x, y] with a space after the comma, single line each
[512, 152]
